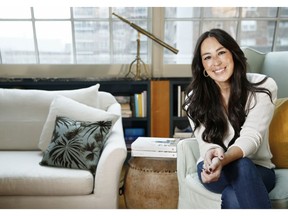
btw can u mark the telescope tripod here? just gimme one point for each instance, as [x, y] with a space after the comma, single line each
[138, 62]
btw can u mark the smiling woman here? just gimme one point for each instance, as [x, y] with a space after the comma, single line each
[225, 110]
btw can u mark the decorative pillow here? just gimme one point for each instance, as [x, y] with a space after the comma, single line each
[278, 134]
[76, 144]
[62, 106]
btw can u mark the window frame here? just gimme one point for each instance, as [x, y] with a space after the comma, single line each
[156, 66]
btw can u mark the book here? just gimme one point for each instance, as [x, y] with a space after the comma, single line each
[140, 105]
[155, 144]
[144, 103]
[124, 101]
[178, 101]
[183, 113]
[126, 113]
[136, 104]
[139, 153]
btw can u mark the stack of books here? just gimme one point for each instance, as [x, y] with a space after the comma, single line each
[134, 105]
[154, 147]
[125, 103]
[180, 101]
[139, 104]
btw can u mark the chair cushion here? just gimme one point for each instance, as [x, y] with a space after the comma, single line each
[278, 134]
[279, 195]
[21, 174]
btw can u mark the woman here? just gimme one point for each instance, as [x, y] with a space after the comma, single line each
[230, 112]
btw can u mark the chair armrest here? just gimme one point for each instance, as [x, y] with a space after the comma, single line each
[187, 156]
[107, 178]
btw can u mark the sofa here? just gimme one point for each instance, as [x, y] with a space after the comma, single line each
[60, 149]
[192, 193]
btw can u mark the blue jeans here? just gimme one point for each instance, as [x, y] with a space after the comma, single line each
[243, 185]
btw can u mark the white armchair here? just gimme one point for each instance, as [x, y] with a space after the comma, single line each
[192, 194]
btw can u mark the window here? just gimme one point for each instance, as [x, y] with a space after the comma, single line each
[248, 25]
[92, 35]
[262, 28]
[77, 35]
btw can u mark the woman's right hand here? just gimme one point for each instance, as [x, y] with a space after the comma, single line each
[212, 165]
[212, 173]
[210, 155]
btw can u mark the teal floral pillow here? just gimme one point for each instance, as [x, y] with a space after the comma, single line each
[76, 144]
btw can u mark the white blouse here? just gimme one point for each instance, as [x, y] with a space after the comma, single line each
[254, 135]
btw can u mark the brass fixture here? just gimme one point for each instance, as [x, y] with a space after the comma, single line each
[138, 60]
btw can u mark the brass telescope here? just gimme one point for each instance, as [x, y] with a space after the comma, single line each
[148, 34]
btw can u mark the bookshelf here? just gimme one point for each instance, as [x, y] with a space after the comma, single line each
[178, 118]
[129, 88]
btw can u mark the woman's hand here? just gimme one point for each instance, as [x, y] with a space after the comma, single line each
[211, 154]
[212, 165]
[213, 172]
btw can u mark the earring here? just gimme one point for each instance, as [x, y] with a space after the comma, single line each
[205, 73]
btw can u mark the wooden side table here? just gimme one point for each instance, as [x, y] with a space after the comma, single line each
[151, 183]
